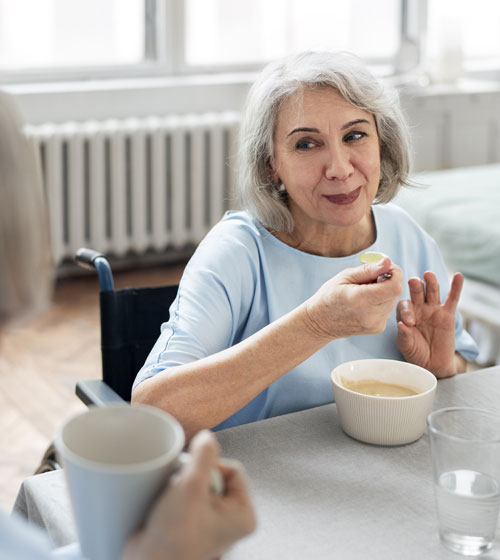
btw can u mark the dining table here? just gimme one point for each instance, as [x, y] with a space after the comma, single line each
[318, 493]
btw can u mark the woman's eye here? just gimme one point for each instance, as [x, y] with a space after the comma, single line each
[357, 135]
[304, 144]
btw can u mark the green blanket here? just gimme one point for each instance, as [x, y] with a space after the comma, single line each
[460, 209]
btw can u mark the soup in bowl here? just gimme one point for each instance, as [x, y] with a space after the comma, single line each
[383, 402]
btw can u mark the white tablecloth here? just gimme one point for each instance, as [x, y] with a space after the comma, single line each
[318, 493]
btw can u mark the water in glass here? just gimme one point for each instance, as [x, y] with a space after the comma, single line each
[468, 504]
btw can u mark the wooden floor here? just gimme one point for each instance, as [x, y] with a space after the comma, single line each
[40, 364]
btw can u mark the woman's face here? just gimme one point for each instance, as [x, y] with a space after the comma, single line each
[327, 155]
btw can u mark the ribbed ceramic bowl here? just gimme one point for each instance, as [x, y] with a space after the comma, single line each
[383, 420]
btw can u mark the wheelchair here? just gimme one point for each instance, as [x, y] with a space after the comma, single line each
[130, 325]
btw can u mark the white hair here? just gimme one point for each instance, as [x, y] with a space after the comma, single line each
[280, 80]
[25, 257]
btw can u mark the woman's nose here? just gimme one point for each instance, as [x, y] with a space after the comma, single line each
[339, 165]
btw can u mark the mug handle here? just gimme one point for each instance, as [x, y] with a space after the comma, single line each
[217, 483]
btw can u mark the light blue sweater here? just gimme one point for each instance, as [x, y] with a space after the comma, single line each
[241, 278]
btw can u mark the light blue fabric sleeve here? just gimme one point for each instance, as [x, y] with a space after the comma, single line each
[20, 541]
[211, 308]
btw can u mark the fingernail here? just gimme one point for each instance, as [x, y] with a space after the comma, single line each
[408, 317]
[383, 263]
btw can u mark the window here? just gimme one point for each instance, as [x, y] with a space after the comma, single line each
[45, 34]
[53, 40]
[465, 30]
[239, 32]
[109, 38]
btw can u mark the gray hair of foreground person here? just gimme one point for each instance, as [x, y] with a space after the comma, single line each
[25, 257]
[346, 73]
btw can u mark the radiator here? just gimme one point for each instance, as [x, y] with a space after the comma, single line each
[136, 185]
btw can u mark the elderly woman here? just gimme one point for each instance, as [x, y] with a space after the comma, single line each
[188, 521]
[275, 297]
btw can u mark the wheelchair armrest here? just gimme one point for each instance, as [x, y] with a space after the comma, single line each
[96, 392]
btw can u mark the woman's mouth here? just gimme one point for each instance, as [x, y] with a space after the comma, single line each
[342, 199]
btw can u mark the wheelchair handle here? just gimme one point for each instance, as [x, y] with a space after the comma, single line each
[88, 258]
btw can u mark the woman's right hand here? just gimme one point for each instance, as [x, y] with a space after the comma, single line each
[353, 302]
[190, 522]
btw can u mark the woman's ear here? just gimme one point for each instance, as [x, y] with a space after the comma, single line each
[273, 174]
[275, 178]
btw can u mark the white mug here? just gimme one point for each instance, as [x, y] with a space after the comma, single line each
[117, 459]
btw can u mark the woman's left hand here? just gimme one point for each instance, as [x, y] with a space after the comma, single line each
[426, 327]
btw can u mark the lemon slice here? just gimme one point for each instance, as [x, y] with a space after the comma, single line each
[371, 256]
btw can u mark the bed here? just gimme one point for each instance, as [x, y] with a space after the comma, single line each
[460, 208]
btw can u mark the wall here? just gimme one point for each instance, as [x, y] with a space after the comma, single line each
[454, 126]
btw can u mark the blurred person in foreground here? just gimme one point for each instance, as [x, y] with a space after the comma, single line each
[275, 297]
[188, 521]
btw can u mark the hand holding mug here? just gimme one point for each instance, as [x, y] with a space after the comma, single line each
[117, 461]
[189, 521]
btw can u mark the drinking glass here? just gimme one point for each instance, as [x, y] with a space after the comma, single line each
[465, 451]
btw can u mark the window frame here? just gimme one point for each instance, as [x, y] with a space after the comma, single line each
[156, 63]
[164, 53]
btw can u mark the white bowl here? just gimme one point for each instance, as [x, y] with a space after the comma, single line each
[383, 420]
